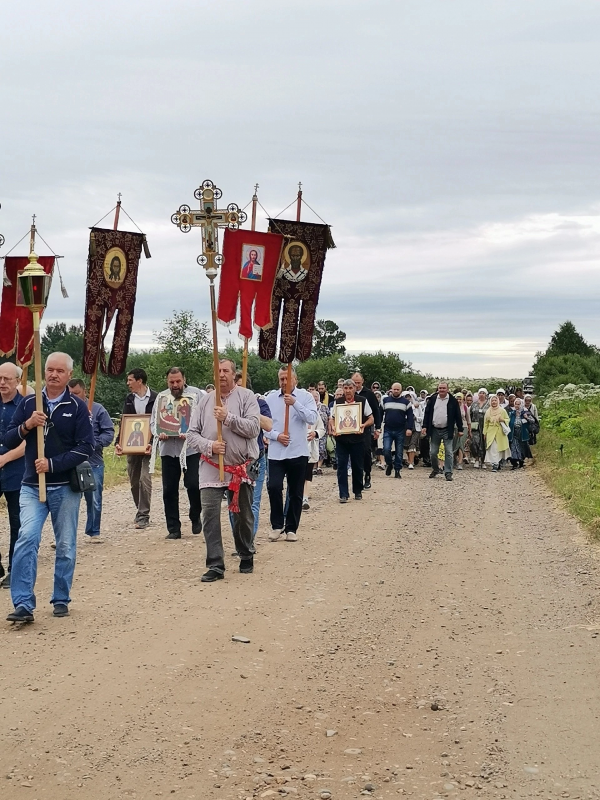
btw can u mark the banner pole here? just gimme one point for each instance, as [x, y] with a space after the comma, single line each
[24, 380]
[39, 403]
[213, 308]
[245, 351]
[286, 428]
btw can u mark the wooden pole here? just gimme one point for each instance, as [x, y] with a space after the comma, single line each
[97, 362]
[213, 308]
[39, 403]
[299, 203]
[289, 370]
[24, 380]
[245, 351]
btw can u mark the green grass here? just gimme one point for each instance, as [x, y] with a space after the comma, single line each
[573, 472]
[115, 468]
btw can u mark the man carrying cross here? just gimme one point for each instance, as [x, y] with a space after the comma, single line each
[240, 417]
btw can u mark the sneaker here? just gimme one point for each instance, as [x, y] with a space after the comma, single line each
[495, 468]
[449, 476]
[434, 473]
[411, 466]
[196, 527]
[343, 499]
[305, 504]
[20, 614]
[397, 474]
[291, 537]
[142, 524]
[388, 469]
[459, 466]
[95, 539]
[380, 466]
[275, 535]
[247, 565]
[60, 610]
[173, 535]
[358, 496]
[211, 576]
[367, 483]
[476, 465]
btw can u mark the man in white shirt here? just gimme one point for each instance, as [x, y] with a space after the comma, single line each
[288, 454]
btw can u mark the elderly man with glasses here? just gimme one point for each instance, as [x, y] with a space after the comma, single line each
[12, 462]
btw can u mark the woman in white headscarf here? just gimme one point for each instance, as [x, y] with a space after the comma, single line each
[460, 440]
[495, 430]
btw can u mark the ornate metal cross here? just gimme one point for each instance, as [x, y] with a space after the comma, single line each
[209, 219]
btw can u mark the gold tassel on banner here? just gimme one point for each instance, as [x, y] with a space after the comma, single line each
[146, 248]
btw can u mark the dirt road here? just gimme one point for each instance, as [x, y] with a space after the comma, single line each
[434, 640]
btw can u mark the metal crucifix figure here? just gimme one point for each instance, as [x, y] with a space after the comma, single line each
[209, 219]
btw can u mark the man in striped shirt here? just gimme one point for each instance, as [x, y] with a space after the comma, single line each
[398, 420]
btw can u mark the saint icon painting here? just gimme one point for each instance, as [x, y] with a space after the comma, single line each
[346, 418]
[253, 259]
[115, 267]
[135, 433]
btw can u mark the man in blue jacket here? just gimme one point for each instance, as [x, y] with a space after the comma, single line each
[69, 441]
[12, 462]
[104, 433]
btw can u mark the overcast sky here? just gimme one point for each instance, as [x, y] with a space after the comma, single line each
[452, 147]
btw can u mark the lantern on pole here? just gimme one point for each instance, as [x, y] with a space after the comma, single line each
[34, 288]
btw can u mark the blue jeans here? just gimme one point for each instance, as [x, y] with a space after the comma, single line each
[63, 506]
[390, 437]
[94, 502]
[258, 487]
[437, 435]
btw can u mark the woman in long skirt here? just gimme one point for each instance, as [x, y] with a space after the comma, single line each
[494, 429]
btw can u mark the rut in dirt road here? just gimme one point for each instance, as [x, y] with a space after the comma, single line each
[433, 640]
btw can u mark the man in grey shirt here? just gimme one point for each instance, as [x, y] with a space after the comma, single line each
[176, 452]
[239, 416]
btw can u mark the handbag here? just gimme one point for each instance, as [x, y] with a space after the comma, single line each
[81, 477]
[505, 427]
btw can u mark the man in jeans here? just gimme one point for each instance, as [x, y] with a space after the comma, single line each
[239, 416]
[104, 433]
[12, 463]
[398, 419]
[442, 415]
[140, 400]
[177, 454]
[69, 441]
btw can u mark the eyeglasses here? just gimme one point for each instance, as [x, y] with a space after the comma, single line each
[8, 380]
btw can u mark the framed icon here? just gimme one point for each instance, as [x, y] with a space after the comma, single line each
[115, 267]
[346, 418]
[135, 434]
[173, 414]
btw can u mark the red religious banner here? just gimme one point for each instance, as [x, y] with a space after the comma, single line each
[111, 289]
[16, 322]
[250, 262]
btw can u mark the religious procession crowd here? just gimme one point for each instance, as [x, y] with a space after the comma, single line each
[228, 445]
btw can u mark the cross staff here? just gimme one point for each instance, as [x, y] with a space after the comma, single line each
[209, 219]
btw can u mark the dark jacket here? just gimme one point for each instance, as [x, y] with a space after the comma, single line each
[353, 438]
[375, 407]
[454, 415]
[129, 406]
[69, 438]
[11, 475]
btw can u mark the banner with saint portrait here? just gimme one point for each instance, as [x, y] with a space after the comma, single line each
[250, 262]
[113, 262]
[296, 290]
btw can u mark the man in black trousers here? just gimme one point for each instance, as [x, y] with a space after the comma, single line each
[374, 429]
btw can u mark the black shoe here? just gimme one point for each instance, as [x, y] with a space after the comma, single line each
[173, 535]
[235, 554]
[20, 614]
[60, 610]
[6, 581]
[247, 565]
[449, 476]
[434, 473]
[212, 575]
[2, 573]
[388, 470]
[358, 496]
[367, 483]
[343, 499]
[196, 528]
[397, 474]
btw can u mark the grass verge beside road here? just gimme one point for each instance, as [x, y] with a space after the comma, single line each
[115, 468]
[568, 453]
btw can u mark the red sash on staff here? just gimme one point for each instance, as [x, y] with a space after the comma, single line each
[239, 475]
